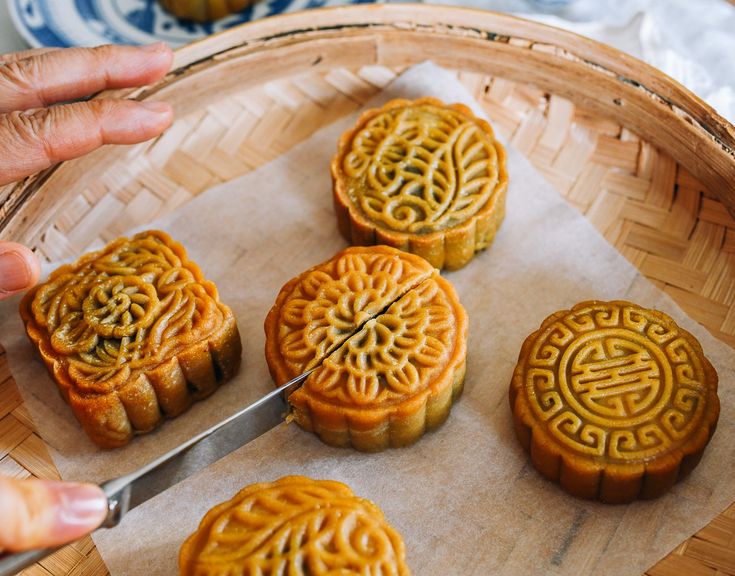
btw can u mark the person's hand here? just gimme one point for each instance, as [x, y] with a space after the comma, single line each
[19, 269]
[37, 513]
[44, 513]
[36, 131]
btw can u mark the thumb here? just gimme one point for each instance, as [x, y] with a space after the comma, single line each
[42, 513]
[19, 268]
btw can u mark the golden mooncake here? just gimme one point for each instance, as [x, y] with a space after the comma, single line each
[421, 176]
[613, 401]
[131, 334]
[296, 527]
[388, 335]
[204, 10]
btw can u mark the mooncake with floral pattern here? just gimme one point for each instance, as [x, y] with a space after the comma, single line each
[132, 334]
[388, 337]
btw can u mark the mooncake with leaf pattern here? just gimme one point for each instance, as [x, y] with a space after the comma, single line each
[422, 176]
[294, 526]
[132, 334]
[388, 337]
[614, 401]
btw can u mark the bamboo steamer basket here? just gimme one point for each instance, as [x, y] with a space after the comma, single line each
[647, 162]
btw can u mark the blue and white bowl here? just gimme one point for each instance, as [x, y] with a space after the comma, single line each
[92, 22]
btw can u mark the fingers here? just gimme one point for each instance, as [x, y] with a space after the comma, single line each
[40, 513]
[19, 269]
[61, 75]
[13, 56]
[36, 139]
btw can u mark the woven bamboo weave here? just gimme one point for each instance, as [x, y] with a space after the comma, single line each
[651, 209]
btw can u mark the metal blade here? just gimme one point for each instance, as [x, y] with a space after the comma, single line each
[199, 452]
[129, 491]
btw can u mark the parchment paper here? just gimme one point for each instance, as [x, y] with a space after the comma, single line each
[465, 497]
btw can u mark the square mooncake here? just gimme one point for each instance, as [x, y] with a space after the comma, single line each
[131, 334]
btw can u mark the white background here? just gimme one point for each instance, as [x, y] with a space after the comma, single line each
[10, 40]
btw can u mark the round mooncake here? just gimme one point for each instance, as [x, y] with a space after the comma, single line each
[421, 176]
[295, 526]
[388, 334]
[613, 401]
[204, 10]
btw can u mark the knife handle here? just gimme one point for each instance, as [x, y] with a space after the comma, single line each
[11, 564]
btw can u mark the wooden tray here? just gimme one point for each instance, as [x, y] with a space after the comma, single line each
[647, 162]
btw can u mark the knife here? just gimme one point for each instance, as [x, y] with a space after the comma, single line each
[131, 490]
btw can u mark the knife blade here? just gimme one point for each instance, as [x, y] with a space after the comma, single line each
[131, 490]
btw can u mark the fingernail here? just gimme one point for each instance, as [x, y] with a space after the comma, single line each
[81, 505]
[14, 272]
[157, 107]
[155, 47]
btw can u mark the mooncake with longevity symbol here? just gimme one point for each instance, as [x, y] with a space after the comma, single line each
[389, 337]
[422, 176]
[132, 334]
[294, 526]
[614, 401]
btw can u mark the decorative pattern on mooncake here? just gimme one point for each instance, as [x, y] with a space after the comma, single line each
[614, 401]
[388, 377]
[318, 310]
[130, 334]
[421, 176]
[295, 526]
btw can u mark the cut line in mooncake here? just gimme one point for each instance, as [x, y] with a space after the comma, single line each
[318, 310]
[423, 176]
[384, 380]
[131, 334]
[295, 526]
[613, 401]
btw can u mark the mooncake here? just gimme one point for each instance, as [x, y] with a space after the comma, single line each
[296, 527]
[421, 176]
[204, 10]
[388, 337]
[613, 401]
[131, 334]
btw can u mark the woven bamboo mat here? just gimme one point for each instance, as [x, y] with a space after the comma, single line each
[651, 209]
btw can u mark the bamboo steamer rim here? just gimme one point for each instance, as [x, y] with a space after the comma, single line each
[589, 73]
